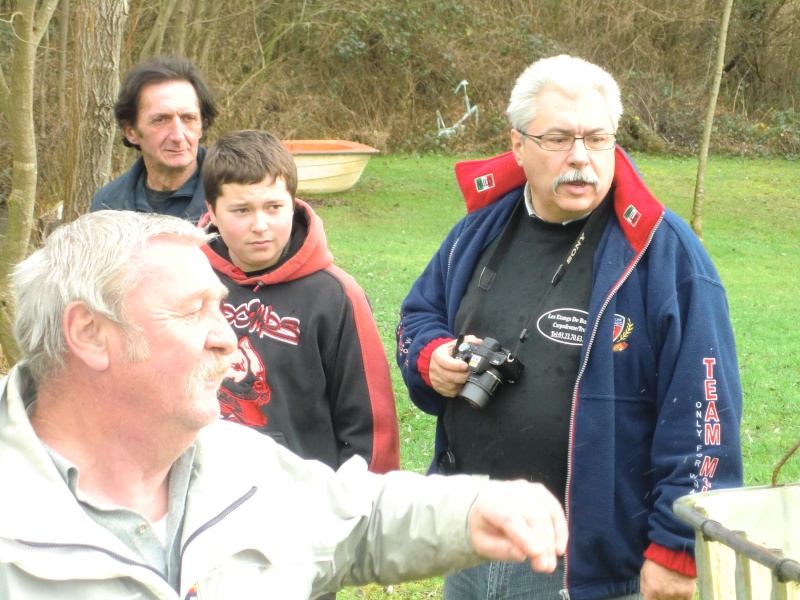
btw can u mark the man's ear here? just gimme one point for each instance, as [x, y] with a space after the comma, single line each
[211, 214]
[130, 133]
[86, 335]
[516, 145]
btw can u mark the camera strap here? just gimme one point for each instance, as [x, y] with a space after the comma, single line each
[489, 272]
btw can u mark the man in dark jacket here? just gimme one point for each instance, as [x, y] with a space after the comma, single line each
[629, 396]
[163, 110]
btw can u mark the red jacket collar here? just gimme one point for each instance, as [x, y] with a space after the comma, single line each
[484, 181]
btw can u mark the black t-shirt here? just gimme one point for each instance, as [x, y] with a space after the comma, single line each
[157, 197]
[524, 429]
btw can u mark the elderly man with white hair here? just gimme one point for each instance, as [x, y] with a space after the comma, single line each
[612, 374]
[120, 481]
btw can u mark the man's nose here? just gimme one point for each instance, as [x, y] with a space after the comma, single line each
[176, 127]
[578, 154]
[221, 337]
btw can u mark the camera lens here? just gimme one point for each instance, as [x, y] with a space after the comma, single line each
[478, 389]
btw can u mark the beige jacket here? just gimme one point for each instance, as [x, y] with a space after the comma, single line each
[259, 522]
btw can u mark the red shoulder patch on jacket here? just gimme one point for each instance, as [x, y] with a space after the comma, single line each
[637, 209]
[486, 180]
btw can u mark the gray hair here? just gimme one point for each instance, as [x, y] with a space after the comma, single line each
[93, 260]
[567, 74]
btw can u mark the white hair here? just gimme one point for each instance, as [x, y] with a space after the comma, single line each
[569, 75]
[92, 260]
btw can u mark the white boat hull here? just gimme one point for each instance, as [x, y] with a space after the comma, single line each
[328, 166]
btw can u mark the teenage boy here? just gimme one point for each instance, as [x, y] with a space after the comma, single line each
[310, 370]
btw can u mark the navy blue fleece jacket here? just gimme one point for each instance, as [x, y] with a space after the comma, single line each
[657, 403]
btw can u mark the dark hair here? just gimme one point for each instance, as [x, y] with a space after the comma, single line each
[161, 69]
[247, 157]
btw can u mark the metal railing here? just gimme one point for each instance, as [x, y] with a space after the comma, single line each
[730, 565]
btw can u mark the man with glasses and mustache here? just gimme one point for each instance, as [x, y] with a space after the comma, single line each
[612, 372]
[121, 482]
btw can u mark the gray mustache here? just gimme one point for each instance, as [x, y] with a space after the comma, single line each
[574, 176]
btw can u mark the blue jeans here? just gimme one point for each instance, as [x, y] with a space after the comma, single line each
[508, 581]
[504, 581]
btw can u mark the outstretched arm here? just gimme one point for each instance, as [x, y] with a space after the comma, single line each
[420, 527]
[516, 521]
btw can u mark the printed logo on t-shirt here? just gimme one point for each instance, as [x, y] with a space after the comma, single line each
[260, 319]
[245, 389]
[563, 325]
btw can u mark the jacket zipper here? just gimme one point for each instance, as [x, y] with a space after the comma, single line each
[450, 260]
[209, 524]
[119, 557]
[565, 592]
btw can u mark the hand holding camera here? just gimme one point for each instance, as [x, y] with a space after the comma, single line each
[489, 365]
[447, 374]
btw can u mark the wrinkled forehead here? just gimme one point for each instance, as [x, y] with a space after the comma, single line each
[177, 94]
[172, 267]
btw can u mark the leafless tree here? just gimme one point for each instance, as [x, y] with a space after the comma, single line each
[16, 101]
[699, 190]
[175, 42]
[155, 41]
[63, 44]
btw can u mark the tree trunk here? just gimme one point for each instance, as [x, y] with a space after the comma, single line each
[98, 38]
[154, 43]
[44, 67]
[63, 45]
[16, 99]
[209, 38]
[177, 31]
[699, 190]
[196, 30]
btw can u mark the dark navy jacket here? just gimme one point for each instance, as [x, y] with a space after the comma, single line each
[127, 192]
[657, 403]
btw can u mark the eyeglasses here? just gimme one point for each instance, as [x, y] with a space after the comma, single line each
[559, 142]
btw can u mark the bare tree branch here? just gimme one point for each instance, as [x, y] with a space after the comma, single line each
[42, 20]
[4, 93]
[63, 32]
[155, 41]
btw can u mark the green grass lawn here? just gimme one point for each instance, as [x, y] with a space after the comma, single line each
[384, 231]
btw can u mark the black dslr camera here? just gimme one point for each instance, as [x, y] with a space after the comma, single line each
[489, 365]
